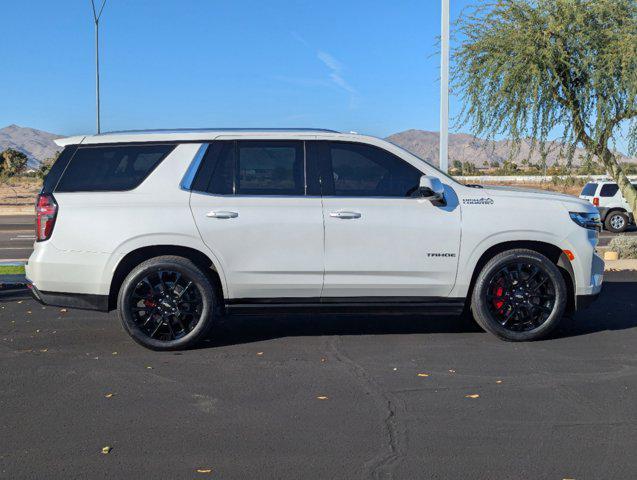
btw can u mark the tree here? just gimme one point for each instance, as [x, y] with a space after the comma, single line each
[12, 162]
[469, 168]
[46, 165]
[529, 67]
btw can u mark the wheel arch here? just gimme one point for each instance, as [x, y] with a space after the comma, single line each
[615, 209]
[554, 253]
[133, 258]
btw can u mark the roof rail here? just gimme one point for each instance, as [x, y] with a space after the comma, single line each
[204, 130]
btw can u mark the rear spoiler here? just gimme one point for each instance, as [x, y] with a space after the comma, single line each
[63, 142]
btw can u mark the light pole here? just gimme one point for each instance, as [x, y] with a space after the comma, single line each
[96, 18]
[444, 87]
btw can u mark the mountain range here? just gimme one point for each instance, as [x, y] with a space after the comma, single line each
[467, 148]
[39, 145]
[35, 144]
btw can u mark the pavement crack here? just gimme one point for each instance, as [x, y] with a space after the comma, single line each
[382, 464]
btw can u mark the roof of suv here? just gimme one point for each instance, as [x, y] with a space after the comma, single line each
[192, 134]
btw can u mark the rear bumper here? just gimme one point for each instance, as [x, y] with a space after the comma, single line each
[80, 301]
[54, 270]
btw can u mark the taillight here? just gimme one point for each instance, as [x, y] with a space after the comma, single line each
[45, 212]
[596, 201]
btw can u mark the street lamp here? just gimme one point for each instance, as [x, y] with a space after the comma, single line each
[444, 87]
[96, 18]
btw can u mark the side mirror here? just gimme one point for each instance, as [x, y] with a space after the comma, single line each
[432, 189]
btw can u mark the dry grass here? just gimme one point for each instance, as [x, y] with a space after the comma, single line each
[568, 189]
[17, 195]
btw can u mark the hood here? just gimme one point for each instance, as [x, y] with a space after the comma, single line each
[569, 201]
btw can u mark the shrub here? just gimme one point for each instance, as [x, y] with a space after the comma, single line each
[624, 245]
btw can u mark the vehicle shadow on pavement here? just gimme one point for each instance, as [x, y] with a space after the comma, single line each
[614, 310]
[239, 329]
[10, 294]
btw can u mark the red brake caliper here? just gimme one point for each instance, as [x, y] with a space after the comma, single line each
[149, 303]
[498, 293]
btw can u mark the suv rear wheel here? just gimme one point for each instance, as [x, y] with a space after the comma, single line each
[519, 295]
[167, 303]
[616, 222]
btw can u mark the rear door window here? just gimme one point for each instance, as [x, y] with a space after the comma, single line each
[252, 168]
[216, 173]
[270, 168]
[112, 167]
[609, 190]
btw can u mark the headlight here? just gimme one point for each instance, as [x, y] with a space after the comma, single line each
[591, 221]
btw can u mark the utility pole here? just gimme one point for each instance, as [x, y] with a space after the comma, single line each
[444, 87]
[96, 18]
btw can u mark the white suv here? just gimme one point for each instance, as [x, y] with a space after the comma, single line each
[174, 228]
[614, 210]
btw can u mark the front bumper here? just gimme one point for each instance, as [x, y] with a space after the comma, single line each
[584, 301]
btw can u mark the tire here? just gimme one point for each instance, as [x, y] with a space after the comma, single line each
[616, 222]
[167, 303]
[519, 309]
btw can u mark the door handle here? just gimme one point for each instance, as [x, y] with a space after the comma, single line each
[345, 215]
[221, 214]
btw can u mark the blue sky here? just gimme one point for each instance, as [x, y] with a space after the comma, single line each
[369, 66]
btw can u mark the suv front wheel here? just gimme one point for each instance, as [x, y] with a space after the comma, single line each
[167, 303]
[519, 295]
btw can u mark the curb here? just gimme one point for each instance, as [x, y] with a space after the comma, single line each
[620, 265]
[12, 282]
[6, 287]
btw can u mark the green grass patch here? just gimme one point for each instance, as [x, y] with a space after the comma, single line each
[11, 269]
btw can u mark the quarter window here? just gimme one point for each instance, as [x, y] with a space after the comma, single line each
[609, 190]
[111, 168]
[53, 177]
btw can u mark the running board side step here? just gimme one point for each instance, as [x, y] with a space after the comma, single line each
[346, 305]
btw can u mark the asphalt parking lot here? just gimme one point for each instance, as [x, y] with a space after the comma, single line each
[338, 397]
[16, 237]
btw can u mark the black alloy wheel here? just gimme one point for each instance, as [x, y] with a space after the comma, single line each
[519, 295]
[167, 303]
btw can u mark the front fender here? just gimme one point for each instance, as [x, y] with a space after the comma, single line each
[470, 254]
